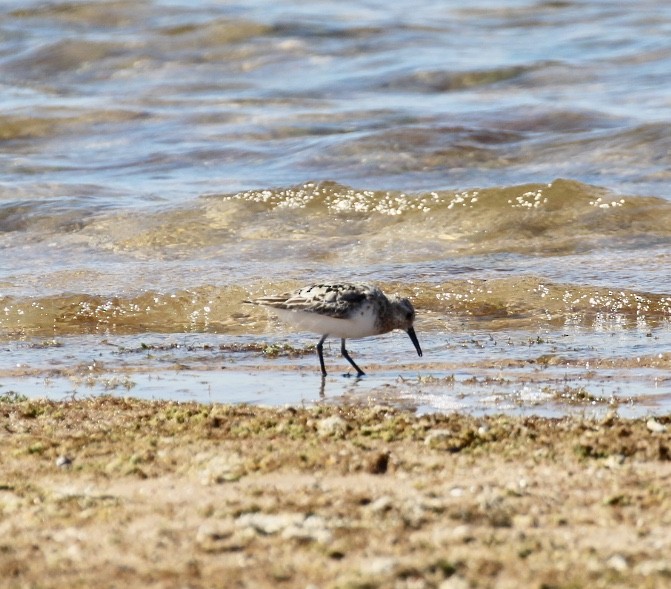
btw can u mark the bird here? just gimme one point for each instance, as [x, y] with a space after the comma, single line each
[348, 310]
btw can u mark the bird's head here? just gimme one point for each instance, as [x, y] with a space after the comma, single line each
[404, 317]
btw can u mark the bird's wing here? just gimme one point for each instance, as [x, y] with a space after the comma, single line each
[337, 300]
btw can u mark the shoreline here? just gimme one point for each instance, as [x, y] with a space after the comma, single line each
[164, 494]
[473, 372]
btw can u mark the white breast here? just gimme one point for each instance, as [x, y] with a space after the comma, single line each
[360, 325]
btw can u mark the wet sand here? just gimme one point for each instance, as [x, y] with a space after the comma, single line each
[112, 491]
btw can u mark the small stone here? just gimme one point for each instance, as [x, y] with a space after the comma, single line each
[381, 504]
[618, 562]
[655, 427]
[63, 461]
[614, 461]
[463, 533]
[333, 426]
[222, 468]
[312, 528]
[269, 523]
[381, 565]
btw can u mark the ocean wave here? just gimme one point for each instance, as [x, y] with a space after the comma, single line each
[530, 303]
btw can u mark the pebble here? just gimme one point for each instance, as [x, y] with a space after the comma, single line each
[63, 461]
[312, 528]
[655, 427]
[269, 523]
[618, 563]
[614, 461]
[381, 504]
[221, 469]
[463, 533]
[295, 526]
[380, 565]
[333, 426]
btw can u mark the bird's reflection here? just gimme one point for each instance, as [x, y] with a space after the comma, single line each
[354, 380]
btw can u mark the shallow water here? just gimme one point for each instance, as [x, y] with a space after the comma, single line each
[507, 168]
[477, 371]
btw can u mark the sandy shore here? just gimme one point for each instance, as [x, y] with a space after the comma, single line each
[115, 492]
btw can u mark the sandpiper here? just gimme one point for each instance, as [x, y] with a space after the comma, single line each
[344, 310]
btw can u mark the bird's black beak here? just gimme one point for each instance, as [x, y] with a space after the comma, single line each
[415, 341]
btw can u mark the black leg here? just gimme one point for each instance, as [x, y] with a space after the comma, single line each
[320, 348]
[359, 372]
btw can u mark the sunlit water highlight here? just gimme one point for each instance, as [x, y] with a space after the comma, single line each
[480, 372]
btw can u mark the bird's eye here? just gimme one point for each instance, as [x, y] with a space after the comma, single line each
[408, 315]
